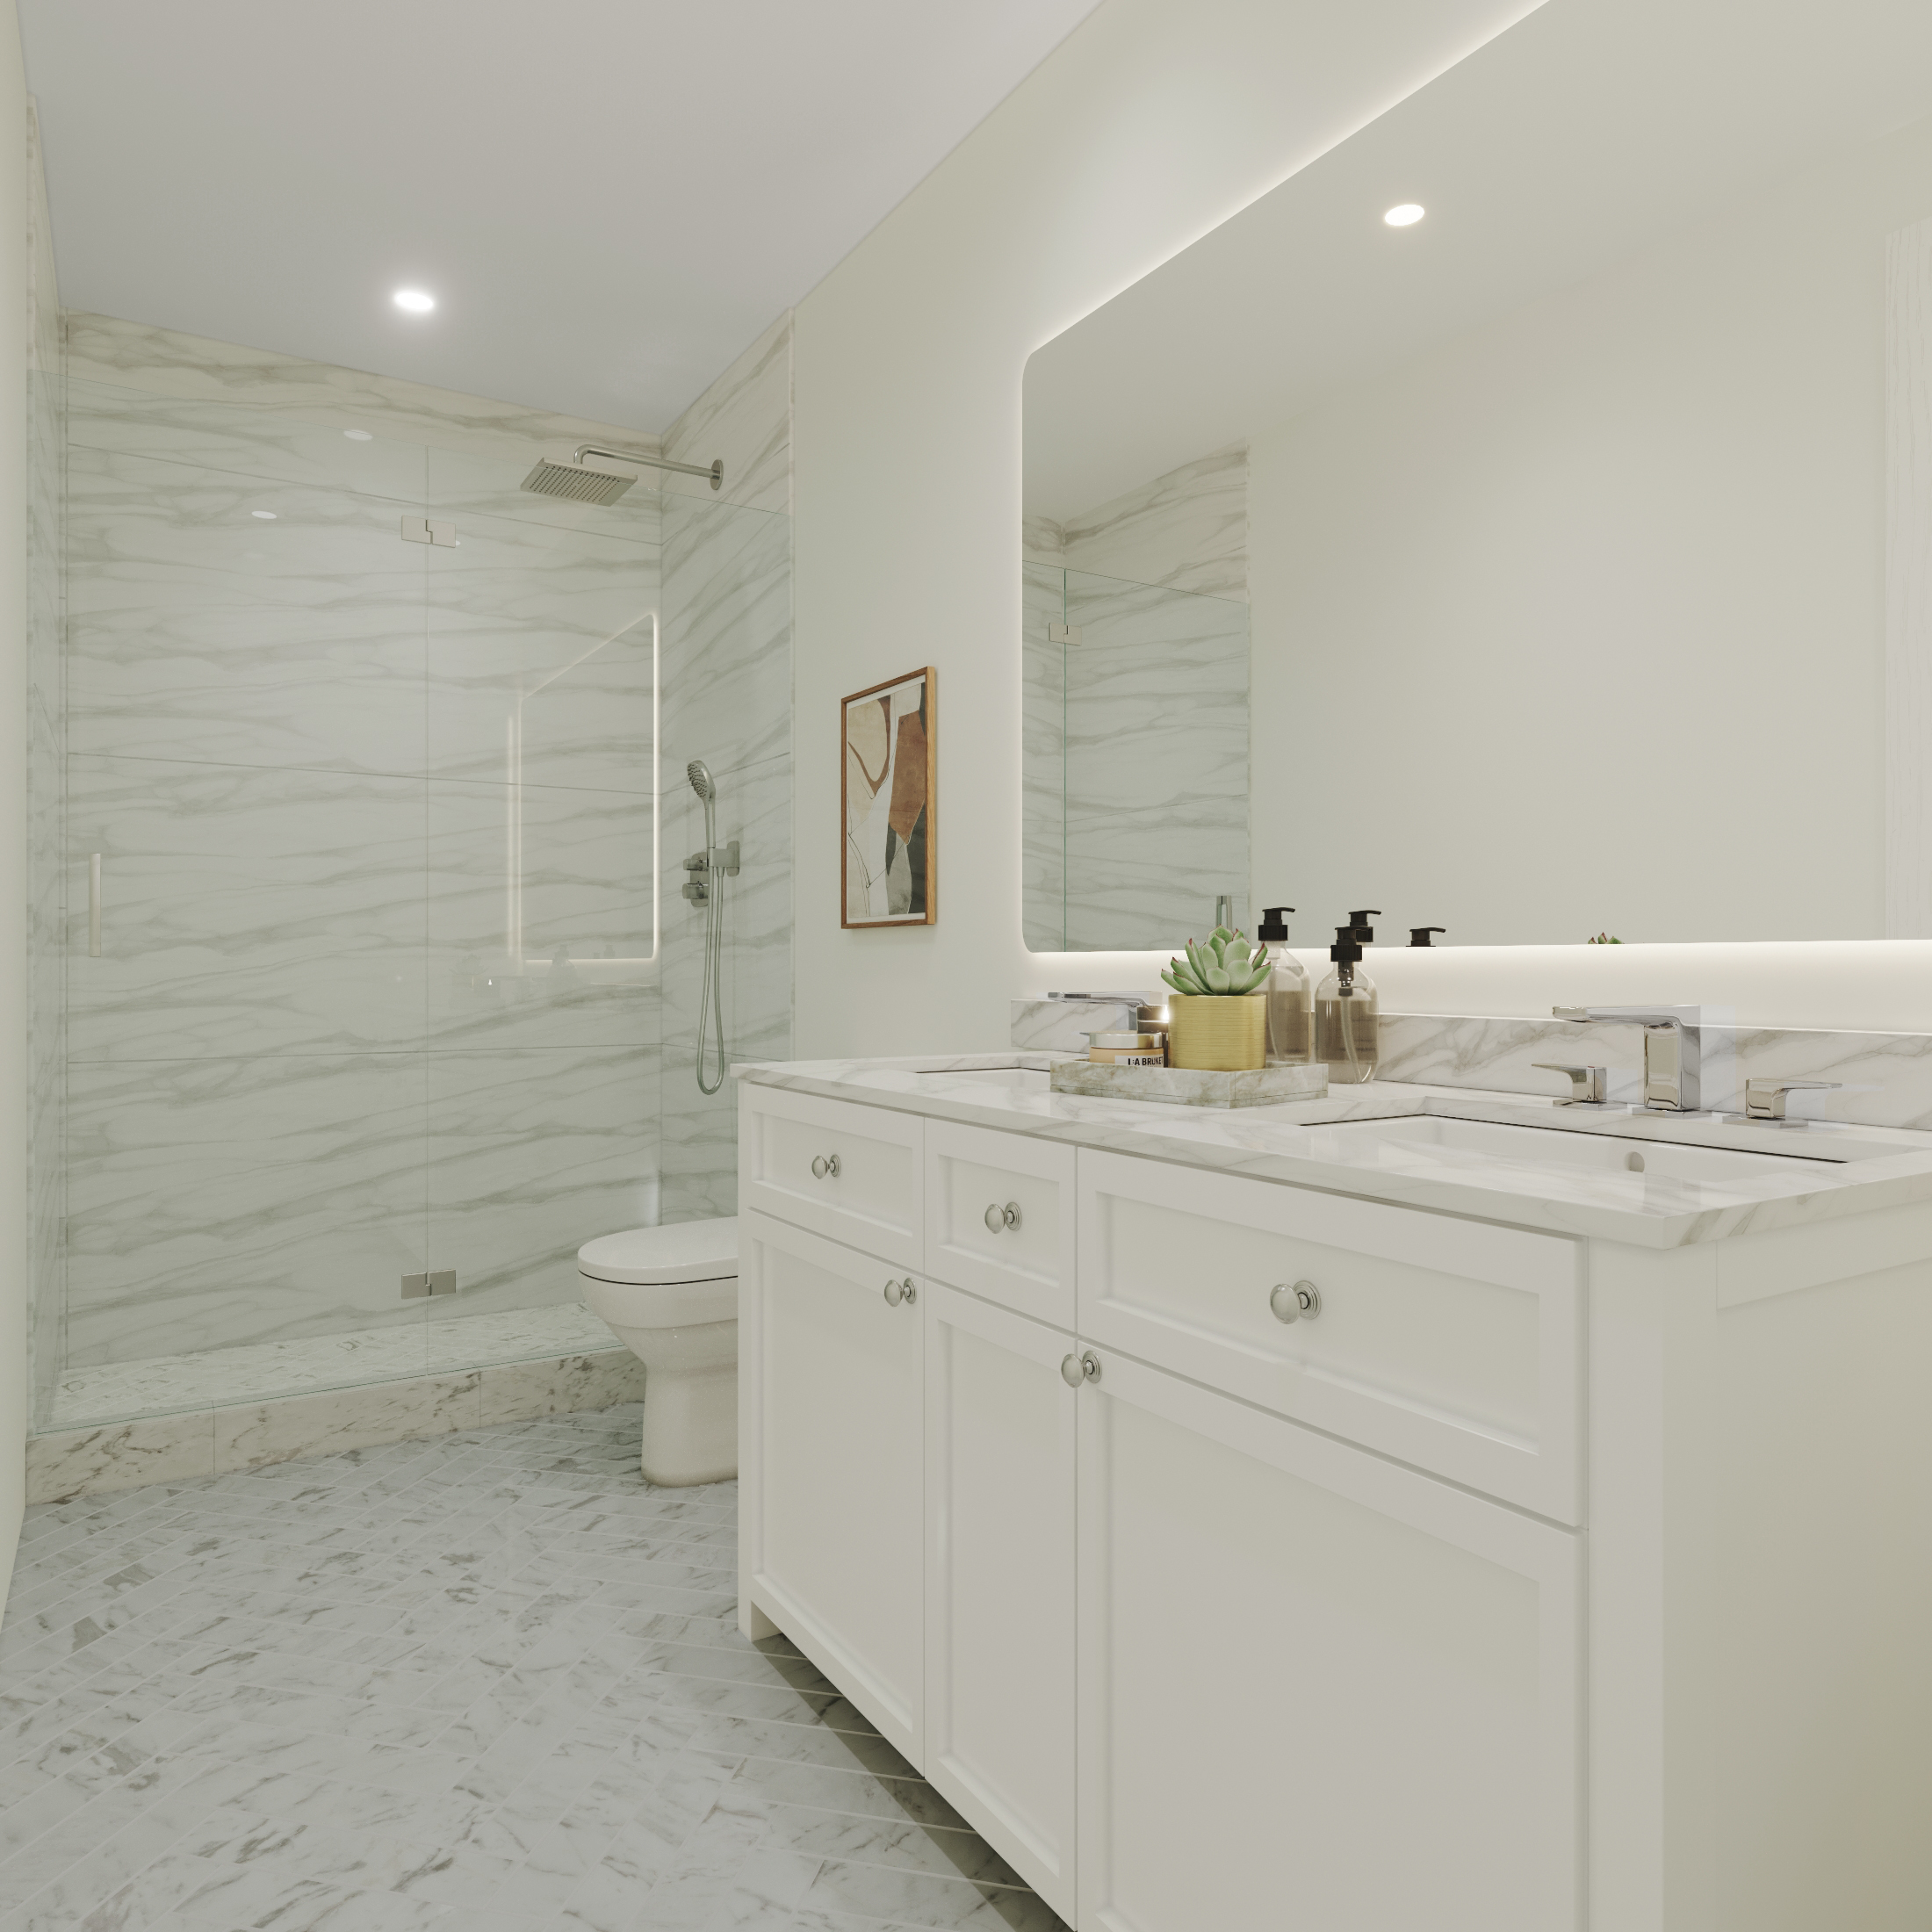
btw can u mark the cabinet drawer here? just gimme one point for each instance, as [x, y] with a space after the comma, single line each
[850, 1173]
[999, 1218]
[1452, 1345]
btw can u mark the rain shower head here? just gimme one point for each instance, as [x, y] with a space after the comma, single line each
[576, 480]
[700, 774]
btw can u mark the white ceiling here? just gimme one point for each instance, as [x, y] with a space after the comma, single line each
[610, 198]
[1562, 146]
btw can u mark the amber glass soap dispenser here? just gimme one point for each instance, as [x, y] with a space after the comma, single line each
[1291, 996]
[1345, 1007]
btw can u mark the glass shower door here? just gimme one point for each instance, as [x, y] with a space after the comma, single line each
[541, 1030]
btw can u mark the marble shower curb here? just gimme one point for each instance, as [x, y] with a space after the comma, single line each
[220, 1440]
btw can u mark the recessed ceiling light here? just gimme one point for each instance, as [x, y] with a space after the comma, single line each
[267, 516]
[360, 436]
[1405, 214]
[414, 301]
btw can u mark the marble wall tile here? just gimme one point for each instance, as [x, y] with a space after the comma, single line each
[1887, 1077]
[218, 1202]
[602, 1380]
[166, 362]
[243, 910]
[542, 647]
[1043, 759]
[250, 1435]
[530, 1154]
[119, 1456]
[1155, 764]
[726, 667]
[1187, 530]
[1061, 1025]
[198, 631]
[699, 1156]
[539, 909]
[744, 418]
[1043, 541]
[244, 444]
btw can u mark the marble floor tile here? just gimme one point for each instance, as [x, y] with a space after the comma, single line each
[374, 1690]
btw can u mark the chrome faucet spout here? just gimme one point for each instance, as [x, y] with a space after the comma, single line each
[1673, 1050]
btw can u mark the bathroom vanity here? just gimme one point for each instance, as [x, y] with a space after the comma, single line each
[1410, 1509]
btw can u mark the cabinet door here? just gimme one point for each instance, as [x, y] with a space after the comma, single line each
[999, 1215]
[999, 1684]
[1316, 1689]
[831, 1395]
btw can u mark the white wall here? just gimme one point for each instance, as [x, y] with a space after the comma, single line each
[13, 800]
[1150, 126]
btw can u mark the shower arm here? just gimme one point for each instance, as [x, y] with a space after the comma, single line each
[715, 471]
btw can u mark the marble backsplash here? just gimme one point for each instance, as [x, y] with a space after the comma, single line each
[1886, 1078]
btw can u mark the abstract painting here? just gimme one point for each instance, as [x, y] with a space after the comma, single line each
[888, 738]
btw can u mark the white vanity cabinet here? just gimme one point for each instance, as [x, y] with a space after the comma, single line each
[831, 1451]
[1316, 1689]
[1000, 1416]
[1526, 1575]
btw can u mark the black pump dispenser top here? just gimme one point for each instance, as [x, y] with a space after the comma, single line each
[1347, 948]
[1419, 935]
[1358, 925]
[1275, 923]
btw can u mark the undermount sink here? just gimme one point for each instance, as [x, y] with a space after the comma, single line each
[1032, 1078]
[1485, 1143]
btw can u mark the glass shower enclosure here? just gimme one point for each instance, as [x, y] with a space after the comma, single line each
[354, 877]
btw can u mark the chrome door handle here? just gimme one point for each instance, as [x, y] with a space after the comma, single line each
[1072, 1372]
[94, 905]
[998, 1218]
[1302, 1300]
[903, 1291]
[825, 1166]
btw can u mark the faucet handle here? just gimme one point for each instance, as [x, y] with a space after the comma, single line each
[1588, 1085]
[1764, 1099]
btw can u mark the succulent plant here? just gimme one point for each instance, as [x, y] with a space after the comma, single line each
[1226, 965]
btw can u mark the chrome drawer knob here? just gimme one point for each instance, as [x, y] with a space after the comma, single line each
[1303, 1302]
[897, 1292]
[825, 1166]
[998, 1218]
[1071, 1372]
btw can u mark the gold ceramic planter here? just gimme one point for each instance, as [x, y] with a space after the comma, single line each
[1217, 1033]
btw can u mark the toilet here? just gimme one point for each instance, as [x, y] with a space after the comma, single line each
[670, 1296]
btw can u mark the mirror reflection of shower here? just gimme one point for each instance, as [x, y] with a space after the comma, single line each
[707, 870]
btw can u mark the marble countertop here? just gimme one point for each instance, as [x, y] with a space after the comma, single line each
[1848, 1170]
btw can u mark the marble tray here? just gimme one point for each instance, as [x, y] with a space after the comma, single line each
[1184, 1086]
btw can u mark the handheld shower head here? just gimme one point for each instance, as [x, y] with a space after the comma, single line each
[700, 774]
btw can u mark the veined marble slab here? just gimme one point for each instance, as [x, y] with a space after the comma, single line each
[204, 1442]
[1061, 1025]
[1187, 530]
[744, 419]
[117, 1391]
[1276, 1143]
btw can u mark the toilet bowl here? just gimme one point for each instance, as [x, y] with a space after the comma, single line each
[670, 1296]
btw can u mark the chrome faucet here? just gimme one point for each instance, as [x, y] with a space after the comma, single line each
[1673, 1051]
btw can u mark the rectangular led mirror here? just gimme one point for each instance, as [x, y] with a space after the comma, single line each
[1554, 560]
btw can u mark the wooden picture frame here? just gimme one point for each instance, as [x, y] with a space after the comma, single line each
[888, 803]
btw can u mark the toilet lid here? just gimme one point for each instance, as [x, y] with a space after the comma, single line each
[685, 1250]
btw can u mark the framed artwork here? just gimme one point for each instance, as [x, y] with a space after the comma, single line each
[889, 739]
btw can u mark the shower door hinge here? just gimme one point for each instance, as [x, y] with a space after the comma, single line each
[1064, 633]
[428, 530]
[442, 1282]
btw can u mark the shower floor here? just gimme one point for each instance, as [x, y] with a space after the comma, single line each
[487, 1684]
[168, 1384]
